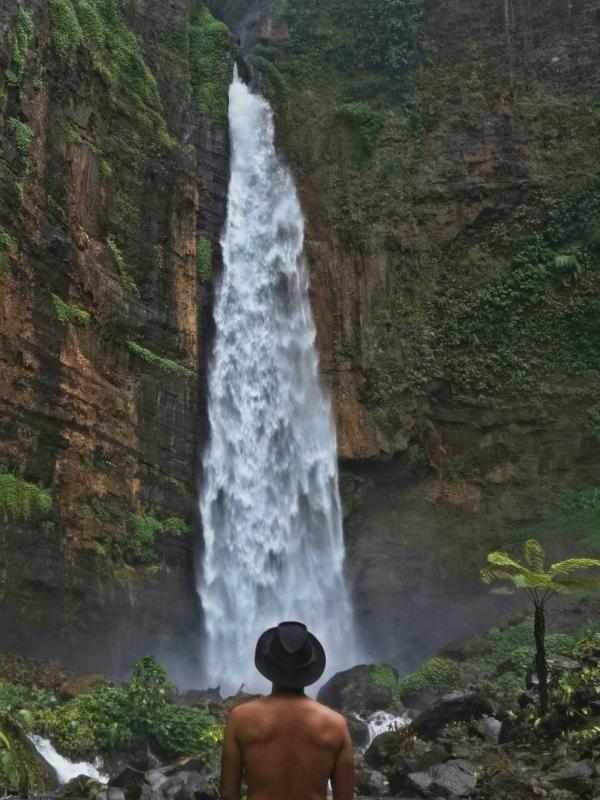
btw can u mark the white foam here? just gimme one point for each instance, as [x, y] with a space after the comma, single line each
[65, 769]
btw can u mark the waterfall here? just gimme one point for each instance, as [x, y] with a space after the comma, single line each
[65, 769]
[270, 502]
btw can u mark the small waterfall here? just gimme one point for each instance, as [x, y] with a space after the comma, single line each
[65, 769]
[270, 502]
[384, 722]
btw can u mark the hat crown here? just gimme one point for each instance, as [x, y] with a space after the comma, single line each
[293, 636]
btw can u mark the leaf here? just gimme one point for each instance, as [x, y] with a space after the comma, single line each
[573, 584]
[523, 577]
[4, 740]
[534, 555]
[26, 719]
[572, 565]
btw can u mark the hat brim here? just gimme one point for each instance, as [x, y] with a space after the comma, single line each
[295, 678]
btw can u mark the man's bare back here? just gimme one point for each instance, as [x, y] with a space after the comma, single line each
[288, 746]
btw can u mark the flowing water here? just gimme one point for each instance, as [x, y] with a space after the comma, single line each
[270, 501]
[65, 769]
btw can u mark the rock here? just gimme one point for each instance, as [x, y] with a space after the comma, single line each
[489, 729]
[384, 752]
[130, 780]
[359, 730]
[76, 787]
[527, 699]
[83, 684]
[455, 778]
[200, 697]
[557, 665]
[454, 707]
[166, 784]
[466, 648]
[112, 793]
[364, 688]
[576, 777]
[421, 781]
[371, 783]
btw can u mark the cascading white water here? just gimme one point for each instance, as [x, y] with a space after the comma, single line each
[270, 501]
[64, 768]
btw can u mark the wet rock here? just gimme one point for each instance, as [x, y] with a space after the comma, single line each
[359, 730]
[576, 777]
[76, 787]
[454, 707]
[371, 783]
[83, 684]
[455, 778]
[360, 689]
[168, 783]
[489, 729]
[112, 793]
[130, 781]
[384, 752]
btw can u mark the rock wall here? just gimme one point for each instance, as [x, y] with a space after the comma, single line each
[123, 185]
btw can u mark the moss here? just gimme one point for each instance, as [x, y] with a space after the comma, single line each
[205, 260]
[6, 242]
[19, 498]
[22, 134]
[211, 60]
[165, 364]
[69, 314]
[127, 281]
[66, 31]
[176, 526]
[383, 675]
[19, 42]
[436, 675]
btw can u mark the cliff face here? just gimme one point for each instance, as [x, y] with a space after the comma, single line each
[113, 179]
[447, 156]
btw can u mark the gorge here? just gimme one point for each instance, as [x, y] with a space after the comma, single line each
[445, 155]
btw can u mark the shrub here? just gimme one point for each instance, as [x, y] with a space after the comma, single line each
[69, 314]
[165, 364]
[210, 61]
[23, 135]
[66, 31]
[139, 713]
[127, 281]
[205, 260]
[6, 242]
[19, 498]
[19, 48]
[437, 675]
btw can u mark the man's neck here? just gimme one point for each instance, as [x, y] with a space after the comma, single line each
[286, 691]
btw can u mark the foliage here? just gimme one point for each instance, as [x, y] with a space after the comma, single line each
[366, 120]
[69, 314]
[137, 545]
[165, 364]
[593, 423]
[6, 242]
[19, 47]
[23, 135]
[66, 31]
[115, 720]
[210, 57]
[280, 11]
[176, 526]
[205, 260]
[19, 499]
[127, 281]
[437, 675]
[117, 56]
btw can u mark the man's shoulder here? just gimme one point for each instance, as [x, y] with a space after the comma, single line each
[330, 714]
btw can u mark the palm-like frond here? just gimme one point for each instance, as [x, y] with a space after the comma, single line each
[534, 555]
[572, 565]
[573, 584]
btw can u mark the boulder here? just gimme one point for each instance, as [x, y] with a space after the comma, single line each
[489, 729]
[130, 781]
[369, 687]
[454, 707]
[371, 783]
[200, 697]
[112, 793]
[359, 730]
[166, 784]
[454, 778]
[384, 752]
[83, 684]
[576, 777]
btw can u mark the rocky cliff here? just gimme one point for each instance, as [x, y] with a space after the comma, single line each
[113, 180]
[447, 158]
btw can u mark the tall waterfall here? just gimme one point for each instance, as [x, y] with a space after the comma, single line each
[270, 502]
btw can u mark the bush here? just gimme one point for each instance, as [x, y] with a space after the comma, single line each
[437, 675]
[115, 720]
[210, 63]
[66, 31]
[69, 314]
[19, 48]
[165, 364]
[22, 134]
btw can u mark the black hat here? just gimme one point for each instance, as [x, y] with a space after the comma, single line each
[290, 655]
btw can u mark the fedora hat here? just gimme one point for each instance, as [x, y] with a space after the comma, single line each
[289, 655]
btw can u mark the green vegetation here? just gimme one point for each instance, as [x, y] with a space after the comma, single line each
[205, 260]
[66, 31]
[211, 59]
[137, 545]
[135, 715]
[19, 499]
[22, 134]
[437, 675]
[69, 314]
[127, 281]
[165, 364]
[541, 586]
[19, 47]
[6, 242]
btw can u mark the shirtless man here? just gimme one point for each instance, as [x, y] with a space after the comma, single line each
[287, 745]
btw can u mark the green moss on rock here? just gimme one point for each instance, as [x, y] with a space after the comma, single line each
[19, 498]
[19, 42]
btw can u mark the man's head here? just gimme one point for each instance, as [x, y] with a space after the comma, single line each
[289, 655]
